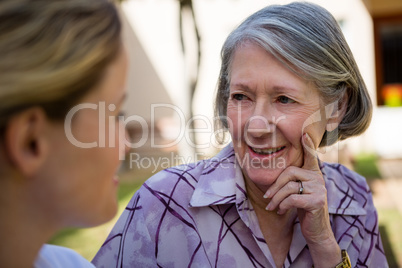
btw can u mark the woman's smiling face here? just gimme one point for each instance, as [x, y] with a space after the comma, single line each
[269, 108]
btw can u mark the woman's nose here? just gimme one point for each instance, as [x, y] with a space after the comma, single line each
[258, 125]
[262, 120]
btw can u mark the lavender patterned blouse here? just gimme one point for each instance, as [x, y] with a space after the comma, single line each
[198, 215]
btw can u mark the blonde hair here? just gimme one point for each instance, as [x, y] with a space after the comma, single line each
[307, 40]
[53, 52]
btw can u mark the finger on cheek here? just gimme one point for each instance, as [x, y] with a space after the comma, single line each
[308, 144]
[310, 154]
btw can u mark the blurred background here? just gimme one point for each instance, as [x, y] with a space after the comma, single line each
[174, 48]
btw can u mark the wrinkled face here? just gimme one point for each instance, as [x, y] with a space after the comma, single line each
[269, 108]
[86, 154]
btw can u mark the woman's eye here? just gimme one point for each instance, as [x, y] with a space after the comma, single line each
[285, 100]
[239, 97]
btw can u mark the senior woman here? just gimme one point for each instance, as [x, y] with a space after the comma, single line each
[55, 55]
[288, 85]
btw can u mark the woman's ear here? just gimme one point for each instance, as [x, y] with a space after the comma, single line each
[335, 112]
[25, 140]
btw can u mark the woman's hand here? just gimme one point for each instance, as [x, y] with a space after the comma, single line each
[311, 205]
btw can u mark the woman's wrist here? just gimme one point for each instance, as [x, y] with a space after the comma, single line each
[325, 254]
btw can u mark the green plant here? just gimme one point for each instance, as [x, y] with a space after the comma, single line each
[366, 165]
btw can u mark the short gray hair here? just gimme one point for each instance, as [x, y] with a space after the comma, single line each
[307, 40]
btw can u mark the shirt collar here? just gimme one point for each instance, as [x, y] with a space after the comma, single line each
[220, 182]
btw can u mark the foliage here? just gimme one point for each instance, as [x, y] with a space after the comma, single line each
[389, 224]
[366, 165]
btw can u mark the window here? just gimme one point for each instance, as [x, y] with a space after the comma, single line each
[388, 50]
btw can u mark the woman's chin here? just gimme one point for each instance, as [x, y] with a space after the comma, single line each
[263, 177]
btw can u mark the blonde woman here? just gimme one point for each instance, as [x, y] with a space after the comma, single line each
[60, 61]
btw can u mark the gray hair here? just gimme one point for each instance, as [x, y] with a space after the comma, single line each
[53, 52]
[307, 40]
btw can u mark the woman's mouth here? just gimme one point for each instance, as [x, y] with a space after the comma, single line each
[267, 151]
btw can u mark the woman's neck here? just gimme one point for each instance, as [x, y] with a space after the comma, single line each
[23, 229]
